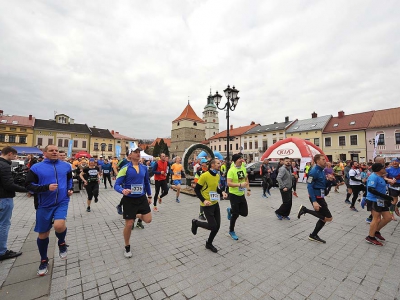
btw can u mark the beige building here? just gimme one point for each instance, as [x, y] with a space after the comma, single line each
[101, 143]
[210, 116]
[122, 142]
[16, 130]
[187, 129]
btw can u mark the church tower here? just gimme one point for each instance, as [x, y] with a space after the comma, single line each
[210, 116]
[187, 129]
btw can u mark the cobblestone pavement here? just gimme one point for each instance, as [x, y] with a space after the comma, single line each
[272, 259]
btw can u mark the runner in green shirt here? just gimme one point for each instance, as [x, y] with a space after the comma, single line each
[237, 183]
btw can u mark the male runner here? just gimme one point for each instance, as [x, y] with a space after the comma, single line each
[203, 168]
[265, 172]
[393, 173]
[177, 172]
[106, 169]
[160, 171]
[51, 181]
[133, 182]
[237, 182]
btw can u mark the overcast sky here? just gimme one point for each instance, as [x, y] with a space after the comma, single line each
[131, 65]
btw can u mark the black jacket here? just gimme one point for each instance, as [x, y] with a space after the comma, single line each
[7, 185]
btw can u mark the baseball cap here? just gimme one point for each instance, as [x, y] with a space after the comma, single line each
[377, 167]
[133, 149]
[92, 159]
[396, 160]
[235, 157]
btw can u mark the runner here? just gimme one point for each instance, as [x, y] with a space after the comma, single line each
[209, 194]
[378, 204]
[177, 172]
[237, 182]
[338, 172]
[133, 182]
[203, 168]
[222, 179]
[51, 181]
[316, 186]
[114, 163]
[295, 176]
[91, 178]
[106, 168]
[265, 172]
[355, 182]
[160, 171]
[346, 171]
[393, 173]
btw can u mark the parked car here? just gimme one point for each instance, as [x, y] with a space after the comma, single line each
[253, 171]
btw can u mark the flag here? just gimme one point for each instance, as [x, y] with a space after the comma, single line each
[117, 150]
[71, 142]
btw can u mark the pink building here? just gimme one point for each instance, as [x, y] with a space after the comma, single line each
[386, 124]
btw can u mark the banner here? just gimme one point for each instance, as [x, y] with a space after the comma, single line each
[71, 142]
[117, 150]
[375, 146]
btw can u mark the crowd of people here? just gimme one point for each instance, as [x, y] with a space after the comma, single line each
[375, 185]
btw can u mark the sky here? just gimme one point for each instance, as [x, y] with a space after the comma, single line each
[131, 66]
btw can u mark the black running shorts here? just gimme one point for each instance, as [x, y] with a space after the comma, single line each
[323, 210]
[238, 205]
[394, 193]
[133, 206]
[372, 205]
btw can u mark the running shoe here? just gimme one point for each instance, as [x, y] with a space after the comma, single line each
[286, 218]
[63, 250]
[43, 267]
[229, 215]
[211, 247]
[105, 187]
[363, 202]
[373, 241]
[233, 235]
[155, 208]
[140, 225]
[353, 209]
[177, 200]
[379, 236]
[279, 216]
[159, 200]
[111, 185]
[96, 200]
[88, 209]
[194, 226]
[368, 220]
[302, 211]
[316, 238]
[9, 254]
[295, 194]
[264, 196]
[127, 254]
[347, 201]
[202, 217]
[119, 209]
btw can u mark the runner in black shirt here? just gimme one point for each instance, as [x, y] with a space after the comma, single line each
[91, 177]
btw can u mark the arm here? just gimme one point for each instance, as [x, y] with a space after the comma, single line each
[147, 184]
[8, 181]
[197, 189]
[120, 180]
[155, 169]
[355, 179]
[373, 191]
[70, 182]
[31, 183]
[310, 187]
[281, 173]
[81, 176]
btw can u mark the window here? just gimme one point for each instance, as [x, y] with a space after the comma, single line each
[194, 124]
[215, 148]
[245, 146]
[75, 144]
[250, 145]
[96, 146]
[60, 142]
[83, 144]
[237, 145]
[66, 142]
[342, 140]
[2, 138]
[316, 141]
[256, 145]
[110, 147]
[328, 142]
[397, 138]
[230, 147]
[40, 141]
[335, 125]
[353, 140]
[11, 138]
[13, 129]
[50, 142]
[219, 147]
[381, 139]
[225, 147]
[22, 139]
[22, 129]
[273, 141]
[352, 122]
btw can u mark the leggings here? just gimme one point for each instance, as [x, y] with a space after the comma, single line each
[92, 189]
[107, 177]
[238, 208]
[213, 215]
[266, 184]
[163, 185]
[356, 190]
[294, 183]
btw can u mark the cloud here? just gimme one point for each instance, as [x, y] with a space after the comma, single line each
[132, 65]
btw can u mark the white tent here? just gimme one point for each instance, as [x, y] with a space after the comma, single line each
[145, 155]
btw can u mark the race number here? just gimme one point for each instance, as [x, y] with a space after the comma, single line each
[214, 196]
[136, 189]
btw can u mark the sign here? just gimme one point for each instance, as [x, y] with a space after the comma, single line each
[284, 152]
[354, 152]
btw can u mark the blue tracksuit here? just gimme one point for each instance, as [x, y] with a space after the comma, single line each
[128, 177]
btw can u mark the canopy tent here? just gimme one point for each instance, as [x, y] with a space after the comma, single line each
[145, 155]
[216, 154]
[27, 150]
[82, 154]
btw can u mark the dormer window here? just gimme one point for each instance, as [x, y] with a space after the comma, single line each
[313, 125]
[178, 123]
[335, 125]
[194, 124]
[352, 122]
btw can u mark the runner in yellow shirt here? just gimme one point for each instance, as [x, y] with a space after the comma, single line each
[177, 172]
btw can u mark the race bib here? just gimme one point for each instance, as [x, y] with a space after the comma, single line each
[177, 173]
[242, 189]
[214, 196]
[380, 203]
[106, 171]
[136, 189]
[310, 179]
[322, 193]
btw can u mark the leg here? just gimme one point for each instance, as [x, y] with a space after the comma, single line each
[356, 191]
[96, 192]
[264, 185]
[178, 191]
[6, 208]
[90, 195]
[373, 226]
[128, 231]
[158, 185]
[386, 218]
[285, 208]
[43, 243]
[164, 188]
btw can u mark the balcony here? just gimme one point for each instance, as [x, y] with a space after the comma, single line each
[397, 147]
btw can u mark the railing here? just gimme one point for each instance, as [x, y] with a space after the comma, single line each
[381, 147]
[397, 147]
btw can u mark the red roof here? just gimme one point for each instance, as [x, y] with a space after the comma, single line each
[117, 135]
[385, 118]
[188, 114]
[157, 140]
[352, 122]
[234, 131]
[17, 120]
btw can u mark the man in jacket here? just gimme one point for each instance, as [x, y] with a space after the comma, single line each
[284, 179]
[51, 181]
[7, 193]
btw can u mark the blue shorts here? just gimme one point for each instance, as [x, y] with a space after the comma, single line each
[176, 182]
[46, 215]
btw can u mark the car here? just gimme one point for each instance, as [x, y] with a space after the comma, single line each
[253, 171]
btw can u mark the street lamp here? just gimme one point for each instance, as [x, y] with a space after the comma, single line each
[230, 105]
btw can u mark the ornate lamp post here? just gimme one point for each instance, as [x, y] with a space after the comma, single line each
[230, 105]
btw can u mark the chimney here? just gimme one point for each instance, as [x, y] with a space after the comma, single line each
[314, 115]
[117, 132]
[252, 123]
[1, 112]
[30, 117]
[112, 131]
[94, 126]
[341, 114]
[286, 119]
[231, 127]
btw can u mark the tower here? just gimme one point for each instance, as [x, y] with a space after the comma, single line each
[210, 116]
[187, 129]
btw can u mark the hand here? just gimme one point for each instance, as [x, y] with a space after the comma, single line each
[162, 172]
[316, 206]
[248, 193]
[126, 192]
[243, 184]
[70, 193]
[207, 202]
[391, 181]
[85, 182]
[224, 195]
[53, 187]
[28, 195]
[285, 190]
[396, 210]
[150, 200]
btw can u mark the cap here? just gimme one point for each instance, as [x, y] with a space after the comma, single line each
[133, 149]
[396, 160]
[235, 157]
[377, 167]
[204, 161]
[92, 159]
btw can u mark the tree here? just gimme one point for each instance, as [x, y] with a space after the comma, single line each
[156, 150]
[163, 147]
[148, 151]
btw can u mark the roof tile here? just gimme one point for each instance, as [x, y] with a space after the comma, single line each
[385, 118]
[188, 114]
[234, 132]
[345, 123]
